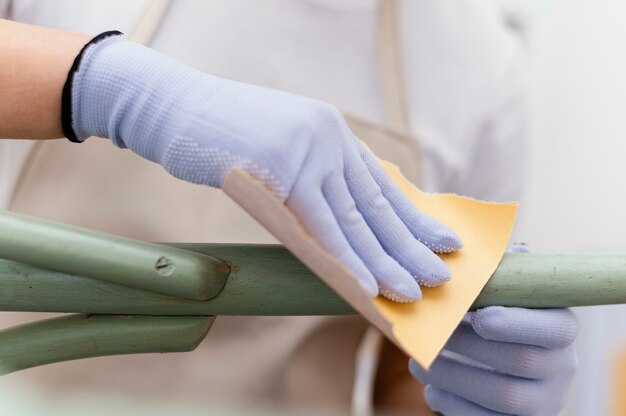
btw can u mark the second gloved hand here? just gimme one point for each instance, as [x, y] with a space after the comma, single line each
[200, 127]
[504, 361]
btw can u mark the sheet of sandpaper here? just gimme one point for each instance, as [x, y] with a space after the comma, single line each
[420, 328]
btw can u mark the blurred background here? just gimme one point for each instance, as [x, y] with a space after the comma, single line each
[574, 196]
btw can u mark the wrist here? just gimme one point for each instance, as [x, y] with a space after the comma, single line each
[70, 101]
[130, 94]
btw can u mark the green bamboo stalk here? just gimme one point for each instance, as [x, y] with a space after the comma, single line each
[540, 280]
[268, 280]
[83, 336]
[114, 259]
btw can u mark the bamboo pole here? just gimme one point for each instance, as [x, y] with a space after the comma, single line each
[175, 289]
[268, 280]
[111, 258]
[82, 336]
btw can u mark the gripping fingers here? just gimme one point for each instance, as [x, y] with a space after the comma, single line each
[449, 404]
[313, 212]
[520, 360]
[547, 328]
[392, 233]
[486, 388]
[394, 281]
[435, 235]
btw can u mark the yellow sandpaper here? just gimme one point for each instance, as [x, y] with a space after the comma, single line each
[420, 328]
[484, 228]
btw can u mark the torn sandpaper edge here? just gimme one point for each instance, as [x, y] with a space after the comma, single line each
[419, 328]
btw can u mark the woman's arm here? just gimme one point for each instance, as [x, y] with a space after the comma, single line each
[34, 62]
[200, 128]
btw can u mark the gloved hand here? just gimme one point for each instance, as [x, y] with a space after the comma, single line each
[504, 361]
[199, 127]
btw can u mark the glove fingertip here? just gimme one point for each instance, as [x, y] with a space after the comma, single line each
[438, 237]
[436, 272]
[488, 322]
[449, 243]
[401, 297]
[417, 371]
[403, 291]
[370, 286]
[438, 400]
[547, 328]
[431, 394]
[447, 403]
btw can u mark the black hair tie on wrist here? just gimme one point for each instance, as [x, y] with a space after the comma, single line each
[66, 97]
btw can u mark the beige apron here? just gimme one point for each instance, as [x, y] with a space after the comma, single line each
[301, 360]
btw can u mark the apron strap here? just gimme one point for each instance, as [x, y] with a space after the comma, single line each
[148, 22]
[391, 67]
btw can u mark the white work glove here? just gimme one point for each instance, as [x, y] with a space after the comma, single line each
[504, 361]
[199, 127]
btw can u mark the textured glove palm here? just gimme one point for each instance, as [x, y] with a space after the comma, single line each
[200, 127]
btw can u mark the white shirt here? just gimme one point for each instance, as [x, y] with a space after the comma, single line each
[463, 76]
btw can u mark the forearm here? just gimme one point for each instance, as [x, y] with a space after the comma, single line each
[34, 62]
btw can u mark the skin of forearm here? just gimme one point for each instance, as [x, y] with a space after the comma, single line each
[34, 62]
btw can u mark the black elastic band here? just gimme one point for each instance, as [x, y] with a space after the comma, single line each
[66, 97]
